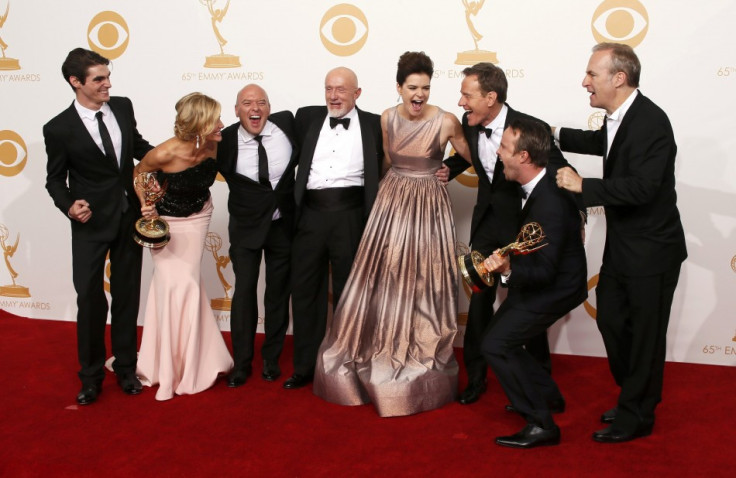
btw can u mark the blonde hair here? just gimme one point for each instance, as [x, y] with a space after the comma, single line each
[196, 116]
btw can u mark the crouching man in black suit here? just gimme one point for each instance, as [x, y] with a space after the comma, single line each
[257, 158]
[543, 286]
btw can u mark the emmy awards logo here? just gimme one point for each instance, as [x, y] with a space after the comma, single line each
[471, 265]
[213, 243]
[13, 290]
[152, 233]
[222, 60]
[5, 62]
[471, 57]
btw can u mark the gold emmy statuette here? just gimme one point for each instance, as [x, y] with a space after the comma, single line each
[13, 290]
[151, 233]
[222, 60]
[213, 243]
[471, 265]
[471, 57]
[5, 62]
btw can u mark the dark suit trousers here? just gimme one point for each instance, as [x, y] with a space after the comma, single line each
[88, 264]
[633, 315]
[525, 381]
[244, 312]
[325, 242]
[480, 314]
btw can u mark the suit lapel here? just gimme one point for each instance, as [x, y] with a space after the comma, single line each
[610, 156]
[370, 163]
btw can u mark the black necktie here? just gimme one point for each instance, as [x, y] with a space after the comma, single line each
[109, 149]
[262, 162]
[524, 194]
[106, 139]
[345, 122]
[487, 131]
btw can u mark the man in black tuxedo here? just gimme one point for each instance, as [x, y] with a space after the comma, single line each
[543, 285]
[495, 216]
[336, 185]
[90, 148]
[645, 242]
[257, 157]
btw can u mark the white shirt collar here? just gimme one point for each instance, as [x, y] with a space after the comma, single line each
[621, 111]
[529, 187]
[245, 136]
[87, 113]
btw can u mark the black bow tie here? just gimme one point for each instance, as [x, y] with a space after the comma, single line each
[345, 122]
[487, 131]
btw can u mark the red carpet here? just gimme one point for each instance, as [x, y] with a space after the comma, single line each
[261, 429]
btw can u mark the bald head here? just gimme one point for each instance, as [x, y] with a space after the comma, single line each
[341, 91]
[252, 108]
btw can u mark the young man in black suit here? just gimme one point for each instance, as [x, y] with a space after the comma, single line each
[645, 242]
[257, 157]
[336, 184]
[495, 216]
[90, 148]
[543, 286]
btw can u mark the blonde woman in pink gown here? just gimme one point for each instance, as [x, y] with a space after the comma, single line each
[391, 340]
[182, 349]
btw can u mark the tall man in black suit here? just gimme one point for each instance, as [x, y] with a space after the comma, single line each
[645, 242]
[257, 157]
[90, 148]
[336, 185]
[495, 216]
[543, 285]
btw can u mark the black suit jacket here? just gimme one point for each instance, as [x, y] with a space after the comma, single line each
[497, 208]
[250, 203]
[644, 233]
[552, 279]
[78, 169]
[309, 121]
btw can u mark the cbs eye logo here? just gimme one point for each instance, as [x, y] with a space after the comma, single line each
[108, 35]
[590, 308]
[468, 178]
[620, 21]
[343, 30]
[13, 153]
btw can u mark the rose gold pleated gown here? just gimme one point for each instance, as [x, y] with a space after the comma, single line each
[390, 341]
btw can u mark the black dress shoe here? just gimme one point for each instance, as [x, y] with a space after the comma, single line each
[615, 435]
[531, 436]
[271, 370]
[88, 394]
[238, 377]
[472, 393]
[555, 406]
[609, 416]
[130, 384]
[297, 381]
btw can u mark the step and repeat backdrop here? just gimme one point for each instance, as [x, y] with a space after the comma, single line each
[165, 49]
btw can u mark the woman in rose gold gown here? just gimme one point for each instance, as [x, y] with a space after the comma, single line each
[390, 342]
[182, 349]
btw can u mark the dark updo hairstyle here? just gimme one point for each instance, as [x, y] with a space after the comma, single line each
[413, 62]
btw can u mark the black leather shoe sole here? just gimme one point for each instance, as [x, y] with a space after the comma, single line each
[297, 381]
[613, 435]
[530, 437]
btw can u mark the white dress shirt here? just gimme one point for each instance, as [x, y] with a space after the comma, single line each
[90, 122]
[278, 148]
[338, 156]
[488, 147]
